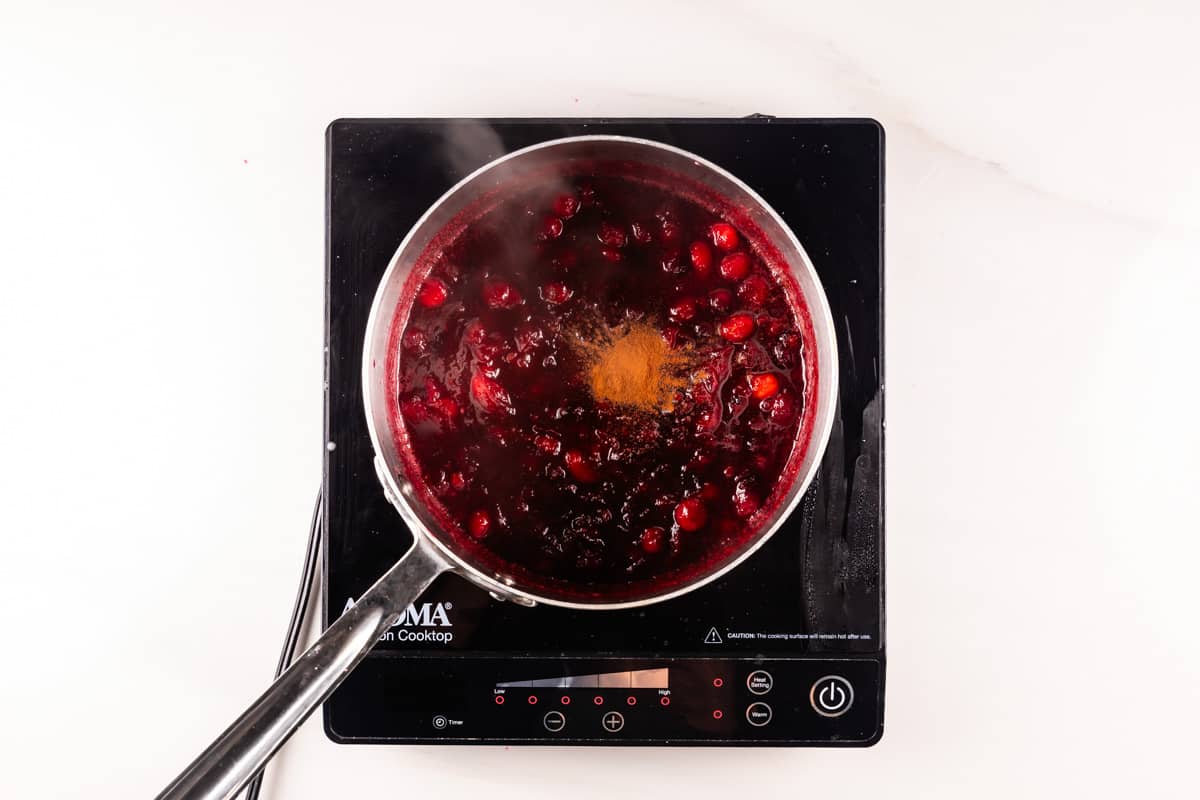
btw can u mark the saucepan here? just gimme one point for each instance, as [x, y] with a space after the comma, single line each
[245, 747]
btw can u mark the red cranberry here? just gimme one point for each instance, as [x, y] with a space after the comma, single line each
[670, 233]
[652, 539]
[433, 293]
[734, 266]
[490, 395]
[745, 501]
[446, 406]
[764, 385]
[501, 295]
[754, 290]
[566, 206]
[547, 443]
[611, 254]
[458, 481]
[737, 328]
[683, 309]
[579, 468]
[780, 408]
[611, 235]
[478, 524]
[702, 258]
[723, 235]
[709, 492]
[690, 514]
[641, 232]
[552, 228]
[556, 292]
[475, 333]
[415, 340]
[414, 411]
[721, 300]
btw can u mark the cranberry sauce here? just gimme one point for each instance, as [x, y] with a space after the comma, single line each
[508, 431]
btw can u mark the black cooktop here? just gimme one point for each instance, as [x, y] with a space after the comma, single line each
[806, 611]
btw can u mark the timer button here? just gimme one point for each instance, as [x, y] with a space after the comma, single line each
[760, 682]
[758, 714]
[831, 696]
[554, 721]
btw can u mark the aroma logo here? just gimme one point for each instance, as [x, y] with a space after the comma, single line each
[425, 615]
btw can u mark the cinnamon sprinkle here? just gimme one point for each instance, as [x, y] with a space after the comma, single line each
[634, 367]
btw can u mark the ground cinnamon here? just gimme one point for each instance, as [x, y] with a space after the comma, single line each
[633, 366]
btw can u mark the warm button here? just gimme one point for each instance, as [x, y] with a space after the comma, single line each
[760, 682]
[831, 696]
[758, 714]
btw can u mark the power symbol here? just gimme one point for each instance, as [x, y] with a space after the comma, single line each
[831, 696]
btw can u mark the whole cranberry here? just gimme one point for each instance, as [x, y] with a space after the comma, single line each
[737, 327]
[499, 294]
[764, 385]
[548, 443]
[579, 467]
[433, 293]
[556, 292]
[683, 309]
[611, 254]
[745, 501]
[611, 235]
[721, 300]
[415, 340]
[780, 408]
[652, 539]
[669, 232]
[552, 228]
[702, 258]
[566, 206]
[734, 266]
[479, 524]
[723, 235]
[754, 290]
[641, 232]
[490, 395]
[690, 514]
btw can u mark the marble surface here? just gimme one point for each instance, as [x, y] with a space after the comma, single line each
[160, 326]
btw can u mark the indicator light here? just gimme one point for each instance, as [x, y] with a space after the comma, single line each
[631, 700]
[566, 701]
[499, 699]
[718, 682]
[533, 699]
[718, 713]
[666, 701]
[598, 700]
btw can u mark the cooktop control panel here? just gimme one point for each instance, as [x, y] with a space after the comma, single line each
[611, 701]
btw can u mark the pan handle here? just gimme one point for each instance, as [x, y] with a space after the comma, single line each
[240, 752]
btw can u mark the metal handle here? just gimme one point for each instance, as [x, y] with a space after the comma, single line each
[244, 748]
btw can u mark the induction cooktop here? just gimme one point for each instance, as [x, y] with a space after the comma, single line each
[787, 649]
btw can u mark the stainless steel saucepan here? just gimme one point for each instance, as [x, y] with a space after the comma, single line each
[238, 753]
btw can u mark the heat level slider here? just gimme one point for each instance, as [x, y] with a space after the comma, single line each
[632, 679]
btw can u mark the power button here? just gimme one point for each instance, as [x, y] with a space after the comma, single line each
[831, 696]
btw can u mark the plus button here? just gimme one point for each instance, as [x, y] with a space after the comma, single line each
[613, 721]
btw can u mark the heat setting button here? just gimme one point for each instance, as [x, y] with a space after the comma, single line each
[759, 682]
[613, 721]
[831, 696]
[554, 721]
[758, 714]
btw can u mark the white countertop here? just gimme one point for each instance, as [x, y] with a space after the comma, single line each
[160, 325]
